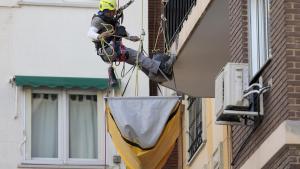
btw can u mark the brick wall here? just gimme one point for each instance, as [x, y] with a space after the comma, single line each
[279, 160]
[276, 100]
[238, 30]
[172, 162]
[293, 56]
[288, 157]
[154, 12]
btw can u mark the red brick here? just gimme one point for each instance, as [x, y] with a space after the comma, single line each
[293, 10]
[294, 166]
[290, 52]
[297, 77]
[297, 16]
[297, 28]
[297, 114]
[293, 159]
[296, 71]
[290, 40]
[291, 77]
[292, 101]
[290, 65]
[297, 52]
[292, 114]
[291, 89]
[296, 5]
[290, 16]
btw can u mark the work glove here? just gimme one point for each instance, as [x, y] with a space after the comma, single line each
[104, 35]
[134, 38]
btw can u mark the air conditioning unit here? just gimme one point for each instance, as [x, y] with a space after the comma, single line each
[230, 84]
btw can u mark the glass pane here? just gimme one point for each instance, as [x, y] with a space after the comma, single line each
[266, 29]
[198, 110]
[258, 34]
[253, 37]
[83, 126]
[44, 129]
[195, 125]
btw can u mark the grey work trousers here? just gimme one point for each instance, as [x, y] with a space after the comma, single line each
[148, 65]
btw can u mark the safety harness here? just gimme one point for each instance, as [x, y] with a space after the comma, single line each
[115, 40]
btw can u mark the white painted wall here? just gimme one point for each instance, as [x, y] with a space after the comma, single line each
[10, 134]
[6, 3]
[50, 39]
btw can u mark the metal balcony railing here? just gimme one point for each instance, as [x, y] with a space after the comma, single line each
[176, 12]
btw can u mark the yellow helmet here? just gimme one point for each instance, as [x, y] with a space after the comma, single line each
[107, 4]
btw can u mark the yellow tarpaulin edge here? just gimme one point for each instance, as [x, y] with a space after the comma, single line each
[155, 158]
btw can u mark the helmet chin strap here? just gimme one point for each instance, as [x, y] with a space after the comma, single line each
[118, 15]
[110, 20]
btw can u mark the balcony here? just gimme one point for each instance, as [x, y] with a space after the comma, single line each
[198, 31]
[176, 13]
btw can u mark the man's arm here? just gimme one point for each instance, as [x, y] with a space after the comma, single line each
[96, 25]
[92, 33]
[132, 38]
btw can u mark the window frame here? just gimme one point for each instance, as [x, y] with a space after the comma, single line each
[259, 33]
[203, 134]
[62, 3]
[63, 129]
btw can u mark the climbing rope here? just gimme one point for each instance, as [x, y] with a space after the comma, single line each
[163, 28]
[140, 51]
[109, 29]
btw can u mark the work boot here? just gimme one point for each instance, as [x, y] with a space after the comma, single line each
[113, 82]
[167, 67]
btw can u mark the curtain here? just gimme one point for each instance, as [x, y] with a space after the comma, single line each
[83, 126]
[44, 125]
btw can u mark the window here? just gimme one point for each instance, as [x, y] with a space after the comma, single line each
[62, 127]
[44, 125]
[61, 1]
[259, 50]
[195, 125]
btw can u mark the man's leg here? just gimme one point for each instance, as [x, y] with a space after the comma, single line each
[144, 61]
[108, 59]
[107, 54]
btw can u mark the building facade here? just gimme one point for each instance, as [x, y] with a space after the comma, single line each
[49, 65]
[263, 34]
[203, 144]
[271, 51]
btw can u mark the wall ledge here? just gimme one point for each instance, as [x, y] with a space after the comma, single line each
[288, 132]
[59, 3]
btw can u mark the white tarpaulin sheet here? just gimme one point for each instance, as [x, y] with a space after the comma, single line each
[141, 120]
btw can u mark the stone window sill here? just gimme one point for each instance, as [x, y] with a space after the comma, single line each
[61, 3]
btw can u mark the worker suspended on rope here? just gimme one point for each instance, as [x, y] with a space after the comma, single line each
[107, 33]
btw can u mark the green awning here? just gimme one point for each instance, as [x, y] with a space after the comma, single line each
[62, 82]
